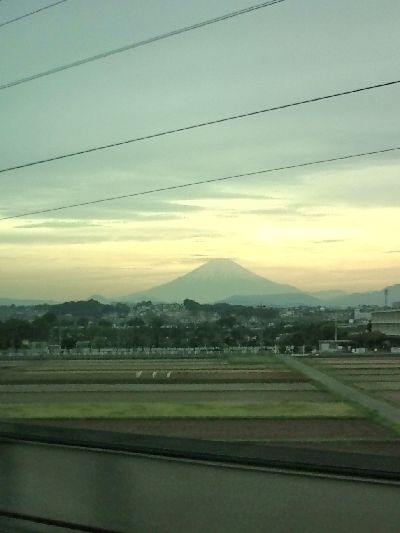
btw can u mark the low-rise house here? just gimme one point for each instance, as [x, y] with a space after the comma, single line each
[38, 347]
[54, 349]
[333, 346]
[83, 347]
[362, 316]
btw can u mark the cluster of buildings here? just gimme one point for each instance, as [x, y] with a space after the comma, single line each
[385, 321]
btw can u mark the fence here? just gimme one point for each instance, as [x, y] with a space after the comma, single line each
[128, 353]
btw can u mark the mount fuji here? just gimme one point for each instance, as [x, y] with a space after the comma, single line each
[215, 281]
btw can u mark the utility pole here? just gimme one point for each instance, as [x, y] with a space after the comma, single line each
[386, 293]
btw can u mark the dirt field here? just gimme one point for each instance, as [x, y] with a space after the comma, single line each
[390, 396]
[379, 385]
[133, 396]
[189, 376]
[378, 378]
[357, 360]
[159, 396]
[371, 374]
[264, 430]
[154, 387]
[141, 364]
[178, 410]
[368, 372]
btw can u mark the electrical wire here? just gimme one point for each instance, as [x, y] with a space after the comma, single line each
[32, 13]
[199, 125]
[138, 44]
[203, 182]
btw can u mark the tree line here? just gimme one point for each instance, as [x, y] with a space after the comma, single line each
[68, 324]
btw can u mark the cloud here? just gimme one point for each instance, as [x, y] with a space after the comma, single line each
[328, 241]
[57, 224]
[270, 211]
[373, 187]
[197, 259]
[220, 194]
[112, 211]
[98, 234]
[291, 210]
[18, 238]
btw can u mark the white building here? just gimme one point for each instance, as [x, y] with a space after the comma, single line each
[362, 316]
[333, 346]
[387, 322]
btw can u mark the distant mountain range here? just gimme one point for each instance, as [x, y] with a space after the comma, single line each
[367, 298]
[280, 300]
[328, 295]
[223, 280]
[16, 301]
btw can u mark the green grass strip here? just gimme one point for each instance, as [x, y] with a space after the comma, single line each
[251, 359]
[180, 410]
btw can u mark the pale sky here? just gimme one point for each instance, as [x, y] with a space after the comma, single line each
[329, 227]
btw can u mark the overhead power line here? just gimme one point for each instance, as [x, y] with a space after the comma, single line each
[203, 182]
[199, 125]
[16, 19]
[138, 44]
